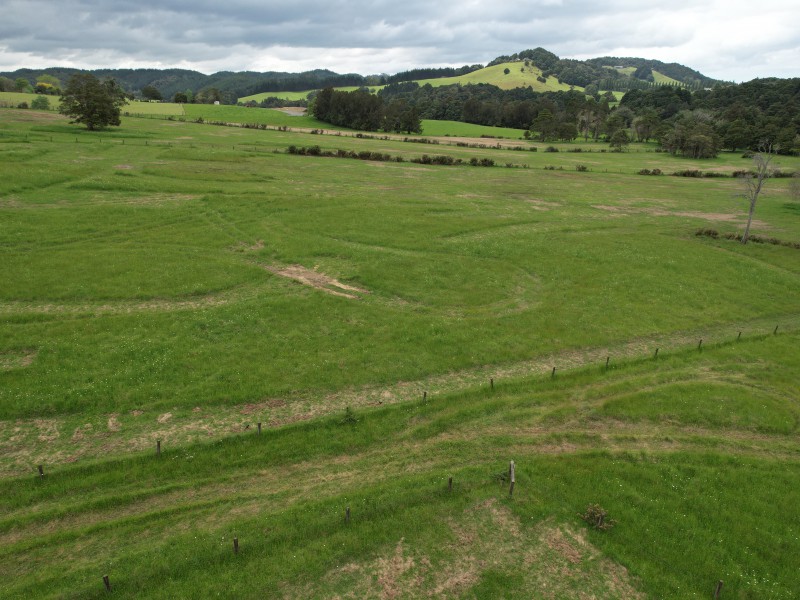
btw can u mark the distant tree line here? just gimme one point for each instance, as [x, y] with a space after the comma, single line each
[696, 125]
[226, 86]
[414, 74]
[365, 111]
[736, 117]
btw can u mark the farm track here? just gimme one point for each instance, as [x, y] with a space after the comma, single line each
[61, 440]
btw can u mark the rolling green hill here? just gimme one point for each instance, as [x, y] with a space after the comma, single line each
[519, 75]
[524, 69]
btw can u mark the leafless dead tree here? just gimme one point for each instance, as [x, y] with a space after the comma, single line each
[754, 181]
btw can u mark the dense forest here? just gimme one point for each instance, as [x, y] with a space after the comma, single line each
[224, 86]
[696, 125]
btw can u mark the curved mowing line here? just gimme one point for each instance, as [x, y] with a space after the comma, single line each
[313, 404]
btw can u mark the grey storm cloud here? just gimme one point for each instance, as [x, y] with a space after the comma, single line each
[386, 36]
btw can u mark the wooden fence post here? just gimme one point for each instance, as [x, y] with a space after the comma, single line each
[553, 374]
[656, 354]
[450, 484]
[608, 358]
[41, 472]
[259, 428]
[700, 345]
[236, 545]
[158, 447]
[491, 382]
[718, 590]
[513, 477]
[106, 582]
[347, 514]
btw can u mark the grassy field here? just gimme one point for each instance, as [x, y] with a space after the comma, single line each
[518, 76]
[662, 79]
[12, 99]
[175, 281]
[282, 95]
[299, 95]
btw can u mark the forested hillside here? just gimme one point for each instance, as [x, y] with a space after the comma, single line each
[227, 86]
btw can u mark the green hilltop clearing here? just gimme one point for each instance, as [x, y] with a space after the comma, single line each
[256, 361]
[519, 75]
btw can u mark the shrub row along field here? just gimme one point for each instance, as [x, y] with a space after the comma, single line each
[182, 282]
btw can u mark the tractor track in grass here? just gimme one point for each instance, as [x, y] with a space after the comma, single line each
[67, 439]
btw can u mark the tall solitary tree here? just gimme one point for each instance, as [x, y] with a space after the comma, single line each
[754, 182]
[150, 92]
[92, 102]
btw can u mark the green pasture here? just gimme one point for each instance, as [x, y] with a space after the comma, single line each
[281, 95]
[181, 281]
[12, 99]
[693, 501]
[662, 79]
[136, 107]
[518, 76]
[460, 129]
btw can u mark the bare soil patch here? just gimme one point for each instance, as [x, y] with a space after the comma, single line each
[250, 409]
[113, 423]
[245, 247]
[660, 212]
[293, 111]
[318, 281]
[16, 359]
[553, 560]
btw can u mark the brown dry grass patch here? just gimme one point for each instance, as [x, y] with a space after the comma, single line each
[17, 359]
[555, 561]
[317, 280]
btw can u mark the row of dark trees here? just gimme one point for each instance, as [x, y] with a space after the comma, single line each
[365, 111]
[731, 117]
[697, 125]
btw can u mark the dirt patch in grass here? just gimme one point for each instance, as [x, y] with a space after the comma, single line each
[47, 429]
[164, 418]
[113, 423]
[245, 247]
[16, 359]
[317, 280]
[11, 202]
[537, 204]
[250, 409]
[81, 431]
[660, 212]
[562, 545]
[292, 111]
[555, 561]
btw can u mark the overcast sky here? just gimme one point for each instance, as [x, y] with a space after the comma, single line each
[734, 40]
